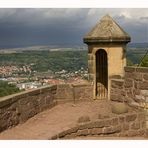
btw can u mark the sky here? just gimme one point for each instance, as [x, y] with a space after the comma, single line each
[34, 26]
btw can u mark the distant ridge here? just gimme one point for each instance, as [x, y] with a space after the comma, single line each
[138, 45]
[61, 47]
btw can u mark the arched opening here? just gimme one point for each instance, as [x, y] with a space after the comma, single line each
[101, 74]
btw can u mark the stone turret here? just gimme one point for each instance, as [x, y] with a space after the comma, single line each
[106, 31]
[106, 54]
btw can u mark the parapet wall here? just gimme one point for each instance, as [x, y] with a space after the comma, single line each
[126, 125]
[18, 108]
[133, 89]
[74, 92]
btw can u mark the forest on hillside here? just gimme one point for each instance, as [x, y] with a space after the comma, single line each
[42, 61]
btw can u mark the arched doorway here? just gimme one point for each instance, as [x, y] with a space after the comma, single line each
[101, 74]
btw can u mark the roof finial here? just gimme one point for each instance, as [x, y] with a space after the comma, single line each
[107, 17]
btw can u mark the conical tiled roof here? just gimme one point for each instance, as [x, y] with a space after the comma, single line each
[107, 30]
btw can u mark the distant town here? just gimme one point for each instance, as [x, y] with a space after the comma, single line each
[25, 78]
[31, 69]
[34, 67]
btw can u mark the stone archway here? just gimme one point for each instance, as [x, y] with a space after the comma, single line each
[101, 90]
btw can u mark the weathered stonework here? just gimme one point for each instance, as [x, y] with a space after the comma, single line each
[108, 127]
[74, 92]
[18, 108]
[133, 89]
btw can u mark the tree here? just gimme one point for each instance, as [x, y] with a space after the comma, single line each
[144, 62]
[129, 63]
[7, 89]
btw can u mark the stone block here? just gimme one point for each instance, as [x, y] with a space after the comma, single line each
[90, 77]
[131, 117]
[129, 92]
[73, 135]
[63, 134]
[83, 119]
[96, 124]
[129, 75]
[137, 76]
[70, 136]
[111, 130]
[121, 119]
[145, 77]
[53, 137]
[125, 127]
[72, 130]
[143, 124]
[123, 134]
[90, 68]
[84, 126]
[142, 69]
[90, 57]
[34, 92]
[116, 97]
[100, 116]
[115, 77]
[134, 104]
[133, 133]
[128, 83]
[123, 93]
[49, 99]
[136, 92]
[24, 116]
[144, 93]
[141, 116]
[119, 108]
[24, 101]
[3, 124]
[96, 131]
[143, 85]
[48, 89]
[136, 85]
[115, 83]
[114, 121]
[146, 99]
[64, 91]
[107, 122]
[139, 98]
[129, 69]
[142, 132]
[135, 126]
[83, 132]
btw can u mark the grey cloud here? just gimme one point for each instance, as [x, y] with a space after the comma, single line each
[56, 26]
[144, 18]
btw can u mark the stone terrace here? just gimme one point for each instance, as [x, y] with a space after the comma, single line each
[55, 120]
[63, 117]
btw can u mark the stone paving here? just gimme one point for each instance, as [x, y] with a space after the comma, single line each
[55, 120]
[61, 117]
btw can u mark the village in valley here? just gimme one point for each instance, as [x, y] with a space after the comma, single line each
[26, 77]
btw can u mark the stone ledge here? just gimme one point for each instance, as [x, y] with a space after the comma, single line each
[106, 127]
[129, 69]
[115, 77]
[82, 85]
[142, 69]
[12, 98]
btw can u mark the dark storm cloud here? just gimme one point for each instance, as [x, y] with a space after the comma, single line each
[64, 26]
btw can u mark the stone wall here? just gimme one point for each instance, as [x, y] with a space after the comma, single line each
[74, 92]
[126, 125]
[133, 89]
[18, 108]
